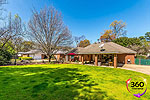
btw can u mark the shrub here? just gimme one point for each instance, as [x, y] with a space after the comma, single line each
[25, 58]
[5, 57]
[140, 57]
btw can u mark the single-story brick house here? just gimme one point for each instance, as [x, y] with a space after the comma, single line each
[108, 53]
[37, 54]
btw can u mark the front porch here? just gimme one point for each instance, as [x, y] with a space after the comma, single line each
[100, 59]
[95, 59]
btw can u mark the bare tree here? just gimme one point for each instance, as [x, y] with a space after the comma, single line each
[16, 44]
[78, 39]
[2, 2]
[47, 28]
[12, 32]
[13, 29]
[3, 30]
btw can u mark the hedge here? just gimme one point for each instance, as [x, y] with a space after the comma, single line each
[140, 57]
[5, 57]
[25, 58]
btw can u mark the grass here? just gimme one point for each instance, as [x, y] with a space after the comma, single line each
[66, 82]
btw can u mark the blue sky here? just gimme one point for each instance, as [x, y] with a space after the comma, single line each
[91, 17]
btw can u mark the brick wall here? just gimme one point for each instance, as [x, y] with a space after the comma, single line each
[42, 56]
[123, 58]
[131, 57]
[57, 56]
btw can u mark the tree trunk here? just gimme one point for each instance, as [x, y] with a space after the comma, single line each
[49, 58]
[55, 58]
[15, 63]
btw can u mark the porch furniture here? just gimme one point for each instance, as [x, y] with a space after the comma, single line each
[110, 63]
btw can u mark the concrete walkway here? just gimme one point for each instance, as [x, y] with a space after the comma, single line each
[138, 68]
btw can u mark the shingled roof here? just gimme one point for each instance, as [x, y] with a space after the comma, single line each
[103, 48]
[33, 51]
[76, 50]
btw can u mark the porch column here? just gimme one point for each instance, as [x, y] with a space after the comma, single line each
[101, 59]
[82, 58]
[90, 58]
[115, 60]
[66, 57]
[69, 58]
[96, 60]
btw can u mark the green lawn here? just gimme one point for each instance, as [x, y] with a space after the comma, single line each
[66, 82]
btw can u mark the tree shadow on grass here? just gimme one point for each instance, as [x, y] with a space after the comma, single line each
[38, 83]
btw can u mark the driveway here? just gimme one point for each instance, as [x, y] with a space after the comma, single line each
[138, 68]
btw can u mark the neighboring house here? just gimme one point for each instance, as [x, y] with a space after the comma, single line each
[38, 54]
[108, 53]
[20, 54]
[60, 54]
[35, 54]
